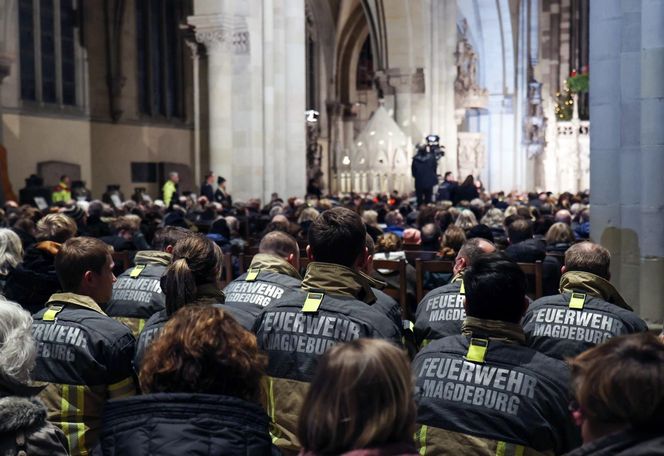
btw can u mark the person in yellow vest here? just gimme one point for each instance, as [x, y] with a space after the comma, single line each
[170, 189]
[62, 191]
[83, 355]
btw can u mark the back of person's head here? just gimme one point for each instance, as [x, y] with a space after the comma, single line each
[468, 181]
[360, 397]
[389, 242]
[453, 238]
[520, 230]
[466, 219]
[76, 257]
[11, 250]
[233, 225]
[620, 384]
[17, 347]
[588, 257]
[203, 349]
[370, 217]
[495, 289]
[412, 236]
[127, 223]
[564, 216]
[169, 236]
[393, 218]
[196, 261]
[431, 234]
[493, 218]
[279, 244]
[56, 228]
[559, 233]
[308, 214]
[473, 248]
[337, 236]
[480, 231]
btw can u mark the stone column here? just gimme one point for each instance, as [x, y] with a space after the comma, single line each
[5, 65]
[256, 61]
[627, 147]
[218, 33]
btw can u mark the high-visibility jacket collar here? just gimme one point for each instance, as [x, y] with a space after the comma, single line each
[152, 257]
[273, 263]
[591, 284]
[337, 279]
[494, 329]
[75, 300]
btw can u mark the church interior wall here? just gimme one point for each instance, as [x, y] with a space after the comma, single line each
[32, 139]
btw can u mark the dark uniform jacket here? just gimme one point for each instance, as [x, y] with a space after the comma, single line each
[137, 293]
[85, 356]
[587, 312]
[335, 305]
[441, 312]
[485, 392]
[528, 251]
[184, 424]
[269, 280]
[206, 294]
[23, 424]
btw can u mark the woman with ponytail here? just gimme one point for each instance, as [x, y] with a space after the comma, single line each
[192, 278]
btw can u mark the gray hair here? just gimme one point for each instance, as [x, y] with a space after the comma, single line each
[11, 250]
[18, 350]
[494, 218]
[466, 219]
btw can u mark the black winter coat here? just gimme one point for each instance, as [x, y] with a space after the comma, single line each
[184, 424]
[424, 170]
[32, 282]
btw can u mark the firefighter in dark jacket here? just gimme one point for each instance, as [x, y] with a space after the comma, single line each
[335, 304]
[191, 278]
[201, 393]
[272, 275]
[137, 292]
[588, 310]
[83, 354]
[441, 312]
[485, 391]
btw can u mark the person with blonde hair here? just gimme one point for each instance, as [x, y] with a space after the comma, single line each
[33, 281]
[23, 424]
[11, 254]
[360, 402]
[201, 381]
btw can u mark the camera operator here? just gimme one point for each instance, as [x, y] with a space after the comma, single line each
[425, 164]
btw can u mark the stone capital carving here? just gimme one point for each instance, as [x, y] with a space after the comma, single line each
[401, 80]
[221, 32]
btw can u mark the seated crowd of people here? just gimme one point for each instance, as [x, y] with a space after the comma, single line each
[251, 329]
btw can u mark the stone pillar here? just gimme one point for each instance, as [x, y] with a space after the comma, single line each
[5, 65]
[217, 32]
[256, 93]
[627, 146]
